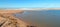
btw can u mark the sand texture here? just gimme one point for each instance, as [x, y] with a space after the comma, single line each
[8, 20]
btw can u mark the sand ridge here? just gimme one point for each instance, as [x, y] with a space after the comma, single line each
[10, 20]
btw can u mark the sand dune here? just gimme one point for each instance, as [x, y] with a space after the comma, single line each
[10, 20]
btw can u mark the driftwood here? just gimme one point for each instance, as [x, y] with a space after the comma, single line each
[8, 20]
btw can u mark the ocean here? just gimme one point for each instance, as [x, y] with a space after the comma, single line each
[42, 18]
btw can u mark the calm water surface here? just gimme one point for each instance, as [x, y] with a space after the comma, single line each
[50, 18]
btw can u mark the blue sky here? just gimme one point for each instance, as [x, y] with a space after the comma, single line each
[29, 3]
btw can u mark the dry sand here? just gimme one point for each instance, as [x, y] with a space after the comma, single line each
[7, 17]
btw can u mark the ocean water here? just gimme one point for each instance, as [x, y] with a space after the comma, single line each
[44, 18]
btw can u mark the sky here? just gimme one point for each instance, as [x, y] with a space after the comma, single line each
[29, 3]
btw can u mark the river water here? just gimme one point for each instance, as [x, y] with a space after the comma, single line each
[43, 18]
